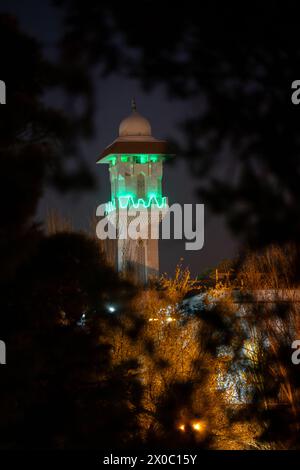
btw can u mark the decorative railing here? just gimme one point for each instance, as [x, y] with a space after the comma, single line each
[128, 201]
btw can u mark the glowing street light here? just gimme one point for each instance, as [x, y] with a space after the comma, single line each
[198, 426]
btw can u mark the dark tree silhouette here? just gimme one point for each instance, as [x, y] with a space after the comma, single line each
[237, 63]
[36, 140]
[60, 389]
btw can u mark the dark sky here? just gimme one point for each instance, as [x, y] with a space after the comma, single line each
[114, 93]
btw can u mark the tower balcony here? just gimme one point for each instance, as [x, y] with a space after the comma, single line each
[125, 202]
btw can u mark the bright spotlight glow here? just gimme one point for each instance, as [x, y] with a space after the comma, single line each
[111, 309]
[181, 427]
[198, 426]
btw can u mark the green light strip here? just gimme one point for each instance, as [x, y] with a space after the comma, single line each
[139, 158]
[128, 201]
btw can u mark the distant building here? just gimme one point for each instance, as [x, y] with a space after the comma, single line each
[135, 162]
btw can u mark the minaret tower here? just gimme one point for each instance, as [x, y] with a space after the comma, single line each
[135, 161]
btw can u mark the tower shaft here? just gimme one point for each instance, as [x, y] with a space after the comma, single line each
[135, 161]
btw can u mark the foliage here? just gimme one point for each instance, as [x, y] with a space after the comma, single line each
[179, 369]
[241, 139]
[177, 287]
[264, 324]
[61, 389]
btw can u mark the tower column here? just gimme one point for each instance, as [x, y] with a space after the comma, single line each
[135, 161]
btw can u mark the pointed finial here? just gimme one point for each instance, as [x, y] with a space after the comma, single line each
[133, 105]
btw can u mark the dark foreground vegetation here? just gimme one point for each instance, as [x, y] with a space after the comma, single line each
[78, 377]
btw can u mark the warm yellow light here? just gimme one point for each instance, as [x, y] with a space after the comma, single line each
[198, 426]
[181, 427]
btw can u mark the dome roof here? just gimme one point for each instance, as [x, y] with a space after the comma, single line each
[134, 138]
[134, 125]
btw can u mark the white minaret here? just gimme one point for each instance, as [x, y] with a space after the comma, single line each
[135, 161]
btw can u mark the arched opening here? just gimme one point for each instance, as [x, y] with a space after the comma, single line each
[128, 182]
[141, 185]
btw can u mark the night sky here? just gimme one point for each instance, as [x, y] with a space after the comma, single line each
[114, 94]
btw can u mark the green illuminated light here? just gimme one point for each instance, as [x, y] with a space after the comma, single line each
[127, 201]
[153, 195]
[142, 159]
[139, 158]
